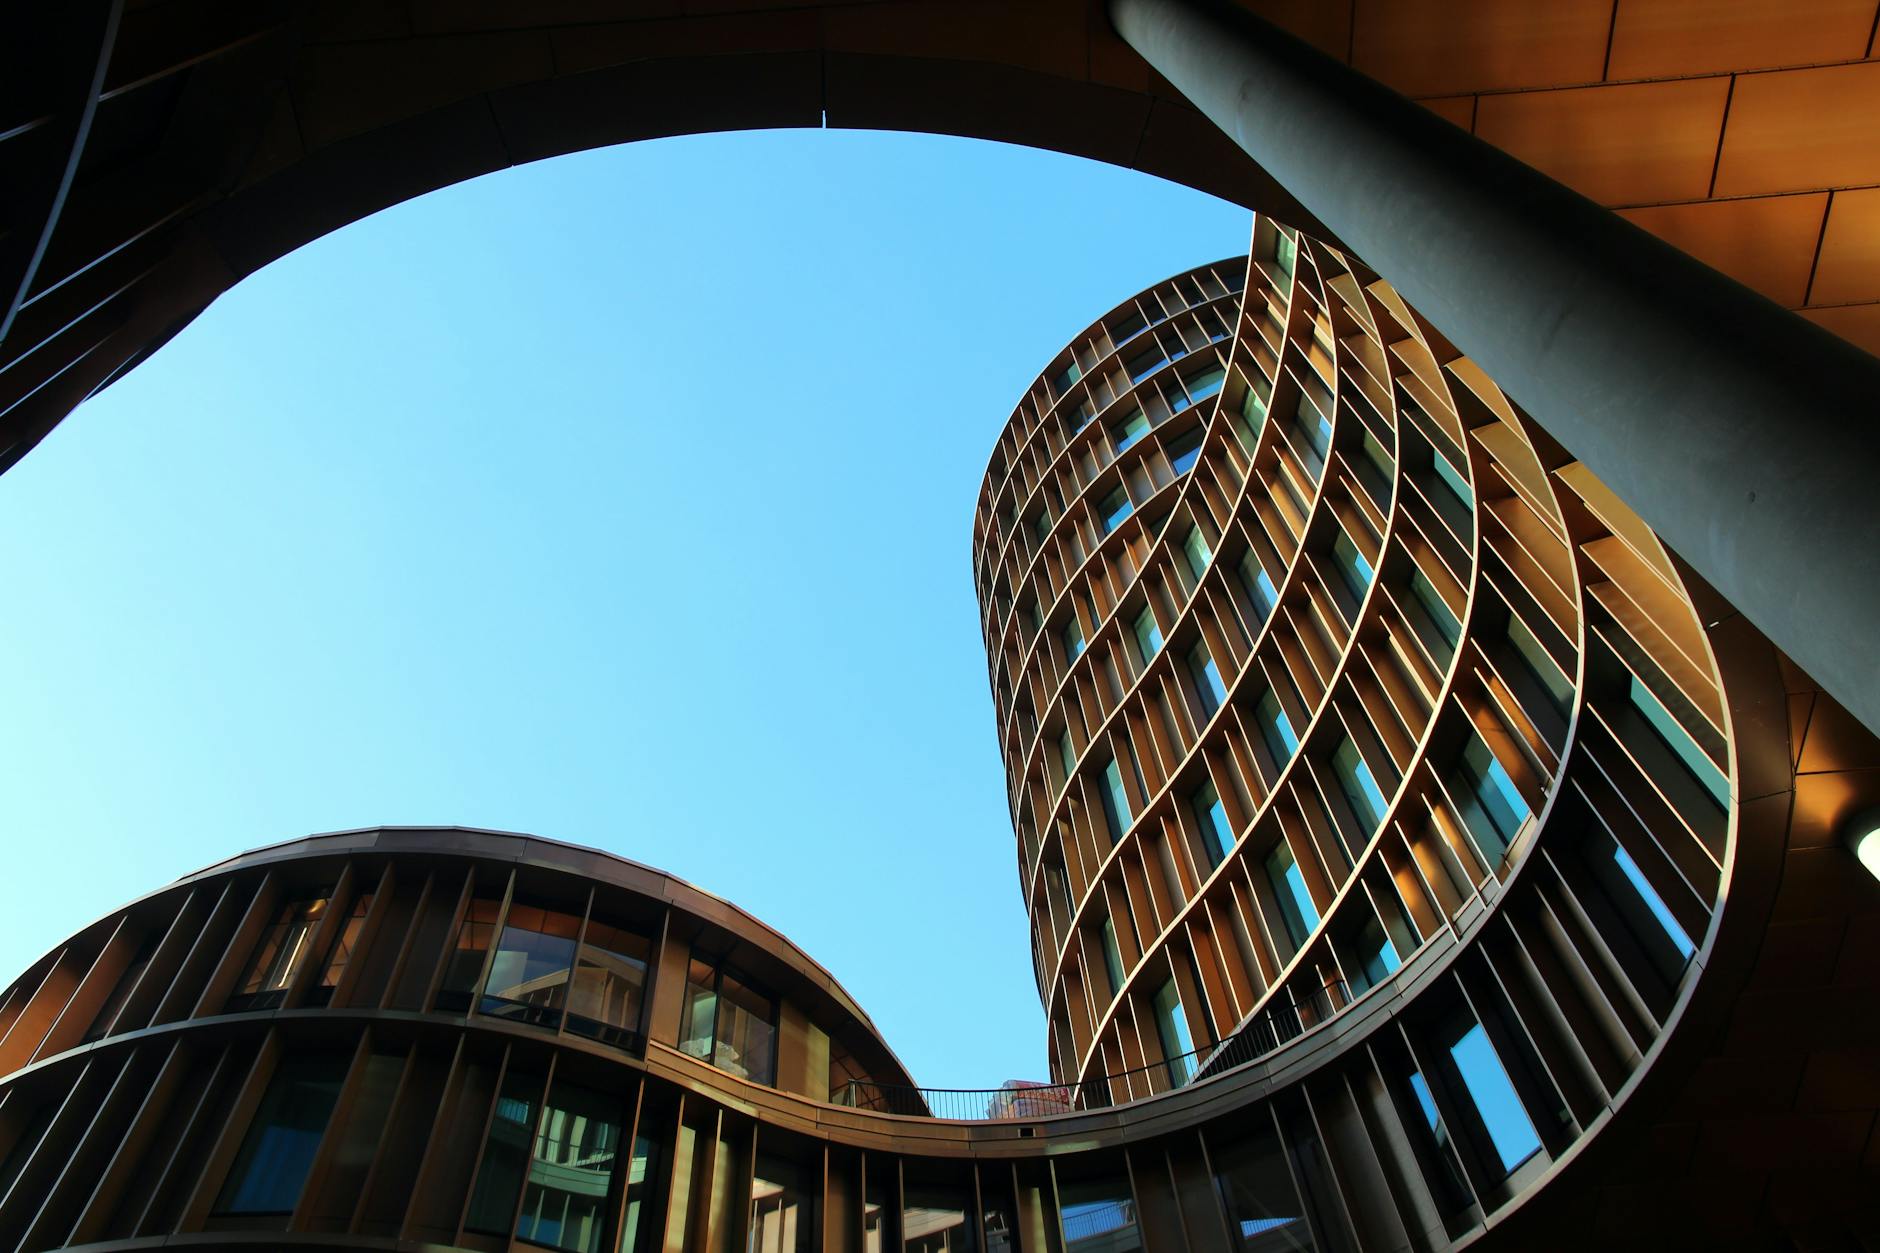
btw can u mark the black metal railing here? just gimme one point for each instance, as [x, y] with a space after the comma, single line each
[1019, 1099]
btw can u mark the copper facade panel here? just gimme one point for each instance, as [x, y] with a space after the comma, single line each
[1849, 268]
[1858, 324]
[1633, 143]
[1797, 130]
[1443, 47]
[1662, 38]
[1459, 110]
[1767, 242]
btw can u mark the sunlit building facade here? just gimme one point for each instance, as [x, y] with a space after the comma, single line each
[1417, 854]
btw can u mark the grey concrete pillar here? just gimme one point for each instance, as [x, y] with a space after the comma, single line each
[1748, 437]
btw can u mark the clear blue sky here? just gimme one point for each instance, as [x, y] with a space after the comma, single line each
[625, 499]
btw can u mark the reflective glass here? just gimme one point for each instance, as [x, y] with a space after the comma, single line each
[1171, 1024]
[783, 1211]
[1276, 728]
[506, 1154]
[1204, 384]
[1148, 635]
[1130, 429]
[1353, 568]
[1073, 639]
[1112, 955]
[1115, 800]
[1196, 549]
[1358, 784]
[1115, 507]
[698, 1022]
[1540, 666]
[1208, 683]
[936, 1220]
[1377, 957]
[1438, 626]
[1257, 1187]
[1653, 901]
[1099, 1216]
[609, 979]
[564, 1204]
[1679, 741]
[1183, 454]
[1289, 888]
[1503, 1116]
[1067, 755]
[747, 1032]
[642, 1178]
[1216, 831]
[1454, 480]
[529, 971]
[1260, 589]
[1492, 808]
[278, 1149]
[284, 948]
[348, 940]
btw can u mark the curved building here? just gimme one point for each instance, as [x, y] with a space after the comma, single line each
[1418, 856]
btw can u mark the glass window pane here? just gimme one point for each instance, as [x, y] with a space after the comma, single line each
[699, 1017]
[506, 1154]
[1540, 665]
[278, 1149]
[1353, 568]
[1196, 549]
[1204, 383]
[1148, 635]
[936, 1219]
[1099, 1216]
[1289, 887]
[1073, 639]
[1679, 741]
[1255, 1183]
[1115, 800]
[1112, 955]
[1171, 1024]
[1492, 808]
[747, 1031]
[564, 1205]
[1183, 454]
[1454, 480]
[529, 971]
[1217, 833]
[1497, 1102]
[1276, 729]
[1115, 507]
[1435, 622]
[1260, 589]
[1209, 685]
[284, 948]
[1653, 901]
[1358, 784]
[783, 1210]
[642, 1199]
[609, 980]
[1067, 754]
[1130, 429]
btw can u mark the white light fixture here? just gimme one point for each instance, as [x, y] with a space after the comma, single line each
[1861, 834]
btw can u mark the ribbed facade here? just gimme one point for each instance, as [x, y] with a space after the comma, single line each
[1417, 857]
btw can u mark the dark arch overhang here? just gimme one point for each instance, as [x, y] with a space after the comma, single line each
[171, 147]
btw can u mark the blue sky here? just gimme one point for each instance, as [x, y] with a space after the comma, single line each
[625, 499]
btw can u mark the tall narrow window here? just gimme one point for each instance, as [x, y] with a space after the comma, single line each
[1115, 507]
[466, 959]
[1285, 251]
[1435, 622]
[1454, 481]
[1204, 383]
[1358, 784]
[342, 954]
[1492, 807]
[1209, 686]
[1353, 568]
[1374, 957]
[1260, 589]
[1148, 635]
[1130, 429]
[278, 1149]
[506, 1153]
[1217, 833]
[1112, 955]
[571, 1168]
[1073, 639]
[1540, 666]
[1171, 1025]
[1184, 452]
[728, 1022]
[783, 1210]
[1296, 909]
[1116, 810]
[1496, 1102]
[1067, 755]
[1196, 549]
[1654, 904]
[285, 947]
[1313, 436]
[1276, 729]
[1679, 741]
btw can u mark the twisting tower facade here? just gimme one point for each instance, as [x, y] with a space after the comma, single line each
[1418, 857]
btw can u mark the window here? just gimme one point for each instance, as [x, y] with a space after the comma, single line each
[1256, 1183]
[1374, 469]
[1253, 410]
[783, 1211]
[506, 1153]
[1540, 666]
[1148, 635]
[342, 951]
[529, 972]
[1041, 525]
[1115, 507]
[1171, 1025]
[1073, 639]
[1430, 614]
[1260, 589]
[1132, 428]
[1653, 903]
[1375, 957]
[278, 1149]
[1112, 955]
[1098, 1215]
[1358, 784]
[609, 982]
[1454, 480]
[1314, 435]
[726, 1021]
[1067, 755]
[1276, 729]
[466, 958]
[1062, 381]
[1217, 833]
[1208, 684]
[1196, 549]
[1679, 741]
[1145, 363]
[1128, 327]
[1184, 452]
[1115, 800]
[1204, 383]
[564, 1202]
[1296, 909]
[1496, 1102]
[1285, 251]
[283, 950]
[1492, 808]
[1353, 568]
[1452, 1181]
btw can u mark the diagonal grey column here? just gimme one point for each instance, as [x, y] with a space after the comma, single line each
[1748, 437]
